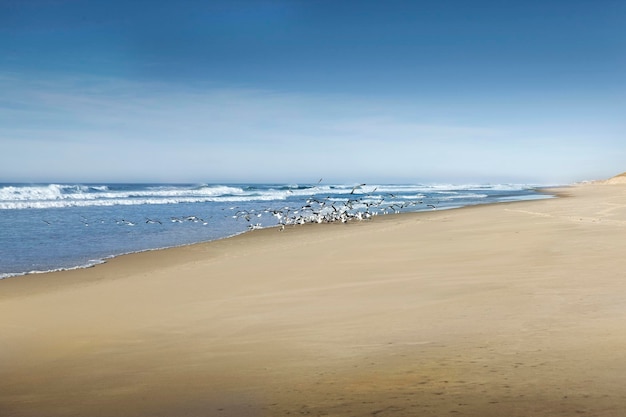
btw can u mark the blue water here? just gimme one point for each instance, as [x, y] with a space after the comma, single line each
[46, 227]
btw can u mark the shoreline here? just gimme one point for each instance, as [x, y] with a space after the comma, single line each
[488, 310]
[551, 192]
[546, 191]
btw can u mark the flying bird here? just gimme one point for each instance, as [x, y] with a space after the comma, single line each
[356, 187]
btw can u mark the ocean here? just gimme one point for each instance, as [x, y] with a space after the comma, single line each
[47, 227]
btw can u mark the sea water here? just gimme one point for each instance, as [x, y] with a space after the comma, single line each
[46, 227]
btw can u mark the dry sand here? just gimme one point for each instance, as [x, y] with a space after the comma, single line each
[504, 310]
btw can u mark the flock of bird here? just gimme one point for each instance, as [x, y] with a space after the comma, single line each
[357, 206]
[331, 210]
[328, 210]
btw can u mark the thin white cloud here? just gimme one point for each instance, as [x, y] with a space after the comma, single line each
[106, 129]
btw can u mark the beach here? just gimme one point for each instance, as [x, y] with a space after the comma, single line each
[509, 309]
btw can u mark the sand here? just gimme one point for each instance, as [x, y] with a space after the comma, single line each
[618, 179]
[515, 309]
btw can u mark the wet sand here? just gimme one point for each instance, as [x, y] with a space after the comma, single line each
[515, 309]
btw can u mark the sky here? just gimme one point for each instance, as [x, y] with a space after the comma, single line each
[293, 91]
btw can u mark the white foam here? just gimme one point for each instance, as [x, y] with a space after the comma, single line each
[63, 195]
[18, 274]
[463, 196]
[83, 192]
[58, 196]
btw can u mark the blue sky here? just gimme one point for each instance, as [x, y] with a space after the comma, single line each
[291, 91]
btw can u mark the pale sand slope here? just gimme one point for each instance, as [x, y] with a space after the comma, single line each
[618, 179]
[504, 310]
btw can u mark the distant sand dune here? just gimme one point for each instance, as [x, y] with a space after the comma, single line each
[618, 179]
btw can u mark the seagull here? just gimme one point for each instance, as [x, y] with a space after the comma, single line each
[313, 200]
[243, 213]
[355, 187]
[194, 219]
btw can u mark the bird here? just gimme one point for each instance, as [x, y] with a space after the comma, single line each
[356, 187]
[194, 219]
[317, 209]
